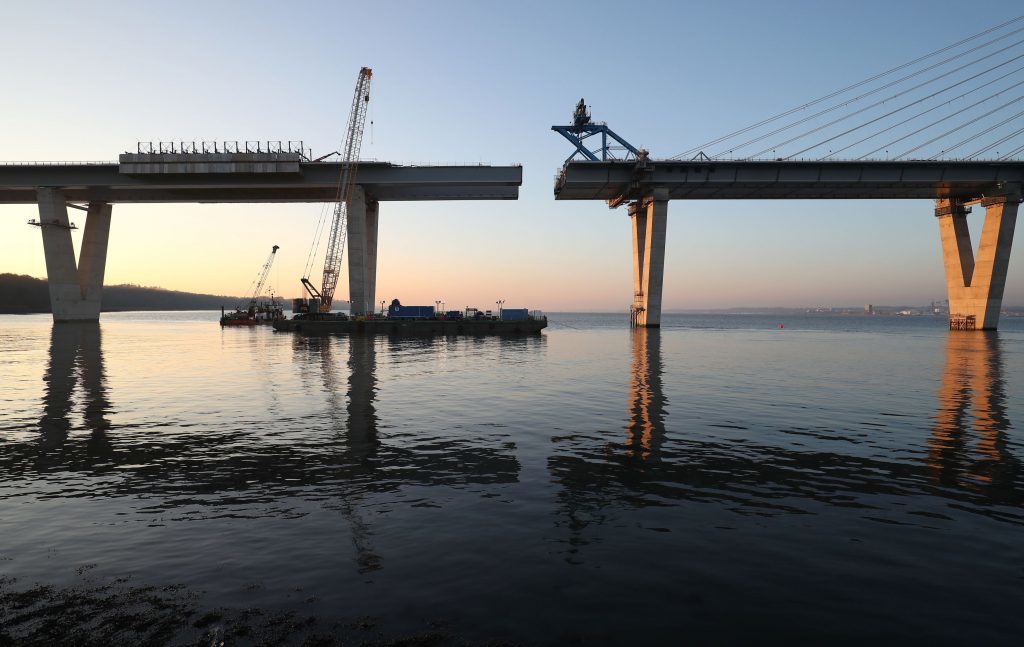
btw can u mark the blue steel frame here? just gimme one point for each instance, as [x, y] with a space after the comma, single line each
[576, 135]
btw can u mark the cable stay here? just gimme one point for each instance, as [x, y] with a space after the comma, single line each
[924, 112]
[854, 86]
[997, 141]
[1013, 153]
[976, 135]
[877, 103]
[957, 128]
[884, 116]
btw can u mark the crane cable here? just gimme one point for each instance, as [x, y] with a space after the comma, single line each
[321, 225]
[844, 90]
[314, 247]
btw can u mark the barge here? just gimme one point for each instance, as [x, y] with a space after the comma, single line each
[418, 321]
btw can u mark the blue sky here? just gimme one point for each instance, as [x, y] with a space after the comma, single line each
[470, 82]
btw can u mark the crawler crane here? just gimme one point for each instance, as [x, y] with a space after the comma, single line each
[346, 184]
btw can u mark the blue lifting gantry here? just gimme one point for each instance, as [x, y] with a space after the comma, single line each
[582, 128]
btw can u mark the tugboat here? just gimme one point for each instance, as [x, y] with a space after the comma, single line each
[266, 312]
[238, 318]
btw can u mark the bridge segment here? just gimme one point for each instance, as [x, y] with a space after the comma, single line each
[76, 289]
[975, 286]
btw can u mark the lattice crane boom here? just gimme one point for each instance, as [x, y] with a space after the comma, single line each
[346, 185]
[262, 278]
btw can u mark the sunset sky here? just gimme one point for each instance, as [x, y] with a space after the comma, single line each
[468, 83]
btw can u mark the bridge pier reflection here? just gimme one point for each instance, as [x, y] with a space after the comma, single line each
[645, 428]
[972, 402]
[76, 361]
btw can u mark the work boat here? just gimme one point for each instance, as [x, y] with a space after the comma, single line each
[263, 313]
[237, 318]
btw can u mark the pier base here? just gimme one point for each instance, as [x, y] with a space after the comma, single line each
[76, 290]
[975, 285]
[648, 219]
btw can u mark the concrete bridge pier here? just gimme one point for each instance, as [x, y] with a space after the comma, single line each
[648, 219]
[975, 284]
[362, 253]
[372, 210]
[76, 290]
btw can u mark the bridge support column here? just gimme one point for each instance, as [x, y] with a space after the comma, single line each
[372, 210]
[648, 219]
[975, 285]
[362, 253]
[76, 291]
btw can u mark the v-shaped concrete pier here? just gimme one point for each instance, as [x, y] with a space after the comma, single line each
[76, 290]
[975, 284]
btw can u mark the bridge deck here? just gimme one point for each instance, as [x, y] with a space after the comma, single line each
[743, 180]
[314, 182]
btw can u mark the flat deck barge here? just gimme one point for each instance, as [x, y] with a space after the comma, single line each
[321, 325]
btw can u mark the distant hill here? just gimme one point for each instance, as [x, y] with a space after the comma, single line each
[20, 294]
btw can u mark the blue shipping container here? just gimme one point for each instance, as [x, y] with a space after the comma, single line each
[410, 312]
[515, 314]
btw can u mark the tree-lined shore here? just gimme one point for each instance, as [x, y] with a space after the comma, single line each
[21, 294]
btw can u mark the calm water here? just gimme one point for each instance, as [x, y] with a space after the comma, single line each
[722, 479]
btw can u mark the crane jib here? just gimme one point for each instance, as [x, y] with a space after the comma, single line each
[262, 278]
[346, 184]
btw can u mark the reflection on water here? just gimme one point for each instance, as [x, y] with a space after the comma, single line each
[238, 457]
[646, 427]
[968, 451]
[75, 372]
[362, 383]
[359, 437]
[969, 445]
[701, 471]
[661, 463]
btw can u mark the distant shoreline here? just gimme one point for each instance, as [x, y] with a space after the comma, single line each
[22, 294]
